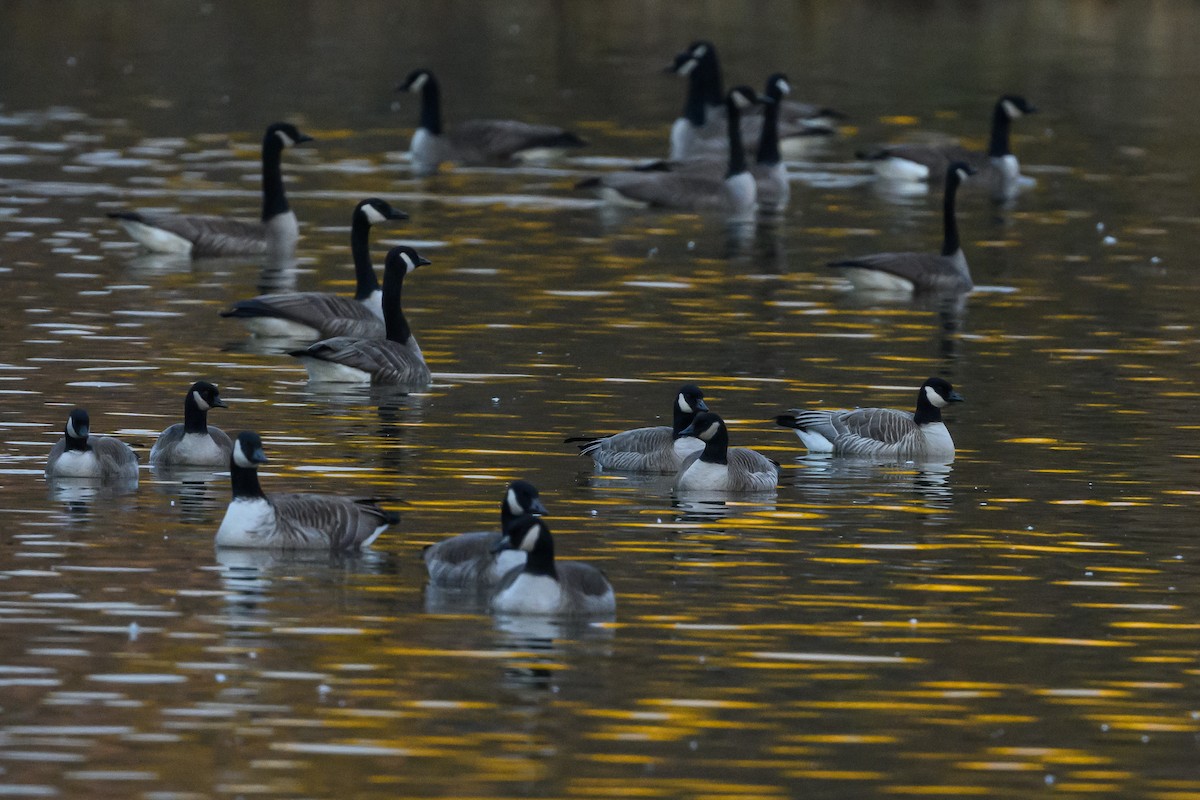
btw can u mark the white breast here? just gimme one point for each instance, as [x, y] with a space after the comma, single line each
[247, 523]
[900, 169]
[199, 448]
[424, 152]
[704, 475]
[683, 135]
[505, 563]
[282, 232]
[374, 303]
[684, 446]
[76, 464]
[530, 594]
[938, 443]
[743, 195]
[1008, 166]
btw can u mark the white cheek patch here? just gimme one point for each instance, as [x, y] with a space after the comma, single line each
[203, 406]
[962, 174]
[700, 51]
[1011, 110]
[419, 82]
[741, 101]
[74, 434]
[684, 406]
[933, 397]
[530, 538]
[710, 431]
[408, 262]
[514, 506]
[240, 458]
[373, 215]
[287, 140]
[687, 67]
[783, 86]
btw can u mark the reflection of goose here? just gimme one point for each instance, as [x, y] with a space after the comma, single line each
[293, 521]
[394, 361]
[78, 454]
[193, 442]
[469, 560]
[477, 141]
[880, 432]
[319, 315]
[544, 587]
[277, 232]
[719, 467]
[654, 449]
[942, 273]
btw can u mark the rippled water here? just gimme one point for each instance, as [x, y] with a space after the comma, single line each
[1018, 623]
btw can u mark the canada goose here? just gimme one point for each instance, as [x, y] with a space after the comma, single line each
[276, 234]
[477, 141]
[880, 432]
[545, 587]
[80, 455]
[700, 128]
[293, 521]
[193, 442]
[719, 467]
[943, 273]
[998, 168]
[659, 448]
[692, 190]
[469, 560]
[393, 361]
[320, 315]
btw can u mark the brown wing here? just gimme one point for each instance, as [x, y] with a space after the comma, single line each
[926, 271]
[316, 520]
[750, 470]
[331, 314]
[388, 362]
[482, 140]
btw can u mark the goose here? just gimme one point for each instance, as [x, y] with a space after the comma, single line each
[998, 167]
[78, 454]
[320, 315]
[193, 442]
[942, 273]
[394, 361]
[692, 190]
[293, 521]
[880, 432]
[719, 467]
[200, 235]
[659, 448]
[477, 141]
[544, 587]
[469, 559]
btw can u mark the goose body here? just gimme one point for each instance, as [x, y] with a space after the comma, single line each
[78, 454]
[546, 587]
[880, 432]
[941, 273]
[469, 560]
[193, 442]
[997, 168]
[476, 142]
[393, 361]
[658, 448]
[319, 315]
[202, 235]
[293, 521]
[721, 468]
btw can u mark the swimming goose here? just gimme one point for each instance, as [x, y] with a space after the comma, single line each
[942, 273]
[394, 361]
[477, 141]
[545, 587]
[200, 235]
[692, 190]
[880, 432]
[469, 560]
[719, 467]
[659, 448]
[293, 521]
[998, 168]
[78, 454]
[320, 315]
[193, 442]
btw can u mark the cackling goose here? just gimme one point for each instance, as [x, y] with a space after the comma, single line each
[719, 467]
[193, 442]
[659, 448]
[545, 587]
[80, 455]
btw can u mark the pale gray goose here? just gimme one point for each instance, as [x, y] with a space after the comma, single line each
[469, 560]
[659, 448]
[78, 454]
[275, 234]
[545, 587]
[721, 468]
[941, 273]
[479, 141]
[320, 315]
[293, 521]
[880, 432]
[394, 361]
[193, 442]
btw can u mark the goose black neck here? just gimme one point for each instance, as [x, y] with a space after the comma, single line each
[365, 281]
[393, 315]
[274, 202]
[540, 560]
[926, 411]
[950, 241]
[737, 155]
[195, 419]
[1000, 128]
[77, 443]
[710, 75]
[244, 482]
[680, 420]
[768, 143]
[716, 449]
[431, 106]
[694, 107]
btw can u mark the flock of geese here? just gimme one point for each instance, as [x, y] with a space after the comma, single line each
[367, 339]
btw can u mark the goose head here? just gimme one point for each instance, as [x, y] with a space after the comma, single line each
[777, 87]
[77, 428]
[938, 393]
[287, 134]
[1014, 105]
[522, 498]
[373, 211]
[416, 81]
[248, 451]
[403, 258]
[205, 396]
[690, 399]
[705, 427]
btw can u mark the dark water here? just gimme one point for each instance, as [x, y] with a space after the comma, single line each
[1022, 623]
